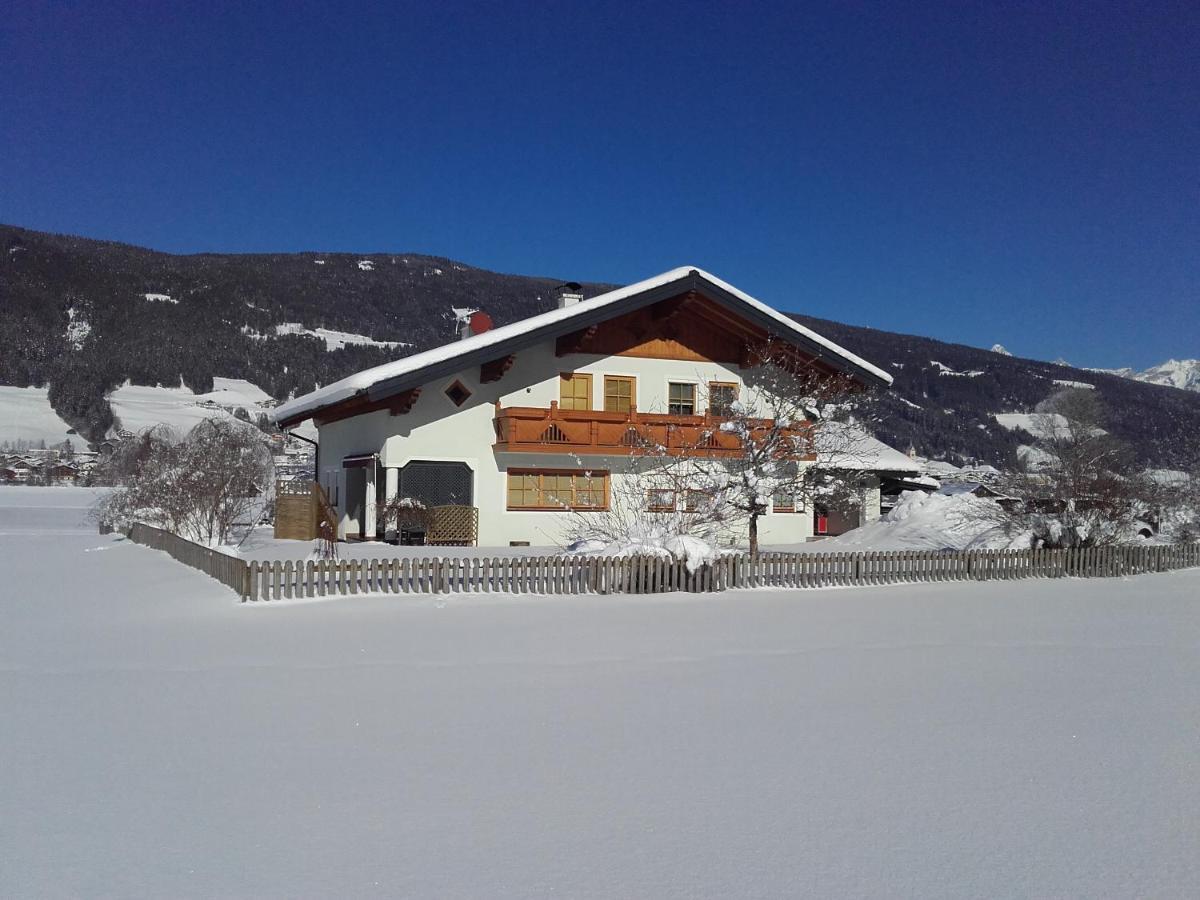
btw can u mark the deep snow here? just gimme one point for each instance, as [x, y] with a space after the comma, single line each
[997, 739]
[920, 521]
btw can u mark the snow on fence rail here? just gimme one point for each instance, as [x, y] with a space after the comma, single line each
[274, 580]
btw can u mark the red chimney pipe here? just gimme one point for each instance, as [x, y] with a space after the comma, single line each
[480, 322]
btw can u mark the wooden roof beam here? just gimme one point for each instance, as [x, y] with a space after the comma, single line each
[575, 341]
[666, 310]
[495, 369]
[402, 403]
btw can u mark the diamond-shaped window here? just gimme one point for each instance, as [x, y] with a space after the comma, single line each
[458, 393]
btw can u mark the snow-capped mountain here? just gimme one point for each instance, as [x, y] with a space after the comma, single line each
[1178, 373]
[1000, 348]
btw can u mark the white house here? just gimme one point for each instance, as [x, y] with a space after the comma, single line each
[523, 420]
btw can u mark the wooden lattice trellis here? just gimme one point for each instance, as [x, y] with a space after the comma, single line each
[453, 526]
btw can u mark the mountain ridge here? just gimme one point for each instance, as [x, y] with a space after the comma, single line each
[1177, 373]
[85, 316]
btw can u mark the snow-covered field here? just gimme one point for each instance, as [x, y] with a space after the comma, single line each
[336, 340]
[26, 415]
[998, 739]
[140, 406]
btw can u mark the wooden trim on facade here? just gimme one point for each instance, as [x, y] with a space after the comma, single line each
[535, 430]
[398, 405]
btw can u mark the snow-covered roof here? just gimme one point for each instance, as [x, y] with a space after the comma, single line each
[939, 467]
[961, 487]
[413, 370]
[971, 487]
[844, 445]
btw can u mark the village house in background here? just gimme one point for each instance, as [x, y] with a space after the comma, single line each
[61, 464]
[522, 423]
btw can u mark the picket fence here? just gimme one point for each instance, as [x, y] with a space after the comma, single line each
[275, 580]
[229, 570]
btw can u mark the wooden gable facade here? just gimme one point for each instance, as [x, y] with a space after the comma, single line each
[688, 327]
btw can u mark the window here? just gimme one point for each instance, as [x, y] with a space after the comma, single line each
[458, 393]
[575, 391]
[698, 501]
[681, 398]
[557, 490]
[783, 502]
[721, 397]
[660, 500]
[619, 393]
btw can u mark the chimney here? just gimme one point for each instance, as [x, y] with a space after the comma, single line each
[476, 323]
[569, 294]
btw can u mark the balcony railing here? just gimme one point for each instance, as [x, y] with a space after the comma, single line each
[526, 429]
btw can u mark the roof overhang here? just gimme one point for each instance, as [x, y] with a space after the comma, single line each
[547, 326]
[692, 281]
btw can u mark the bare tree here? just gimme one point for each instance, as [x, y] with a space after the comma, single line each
[799, 434]
[132, 452]
[1174, 506]
[219, 475]
[1077, 487]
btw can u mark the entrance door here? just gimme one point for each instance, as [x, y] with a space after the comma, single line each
[355, 501]
[361, 496]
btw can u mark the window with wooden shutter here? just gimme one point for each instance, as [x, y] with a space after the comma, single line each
[681, 398]
[556, 490]
[575, 391]
[619, 393]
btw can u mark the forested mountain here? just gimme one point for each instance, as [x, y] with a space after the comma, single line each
[944, 396]
[85, 315]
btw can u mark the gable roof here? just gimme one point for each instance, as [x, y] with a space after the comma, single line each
[413, 371]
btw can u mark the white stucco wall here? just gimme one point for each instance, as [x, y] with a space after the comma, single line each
[869, 499]
[436, 430]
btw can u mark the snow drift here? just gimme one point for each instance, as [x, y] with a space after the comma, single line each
[922, 521]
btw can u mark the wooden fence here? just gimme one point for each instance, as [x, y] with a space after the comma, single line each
[229, 570]
[647, 575]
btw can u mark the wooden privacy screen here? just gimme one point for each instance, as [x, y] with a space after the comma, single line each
[297, 510]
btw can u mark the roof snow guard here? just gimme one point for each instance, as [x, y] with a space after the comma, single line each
[393, 378]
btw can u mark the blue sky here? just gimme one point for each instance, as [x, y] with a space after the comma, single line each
[1021, 173]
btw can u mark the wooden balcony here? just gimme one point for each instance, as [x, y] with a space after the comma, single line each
[527, 429]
